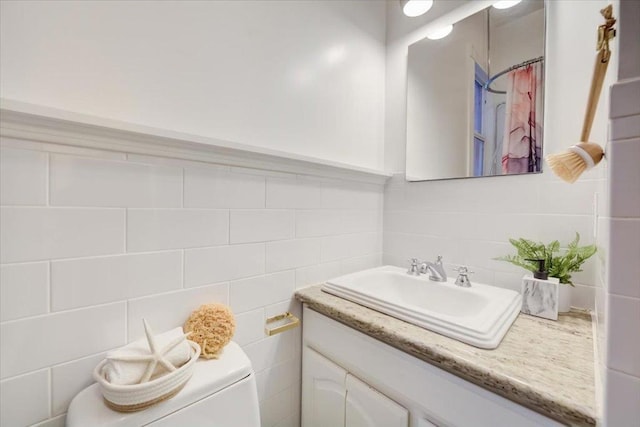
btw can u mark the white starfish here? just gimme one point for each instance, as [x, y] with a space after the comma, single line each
[156, 357]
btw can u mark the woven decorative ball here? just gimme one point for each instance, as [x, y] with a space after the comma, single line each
[211, 326]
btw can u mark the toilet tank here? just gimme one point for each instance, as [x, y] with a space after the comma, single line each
[222, 392]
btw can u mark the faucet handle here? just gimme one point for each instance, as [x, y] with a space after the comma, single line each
[414, 270]
[463, 276]
[439, 259]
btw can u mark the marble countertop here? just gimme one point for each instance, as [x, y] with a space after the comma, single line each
[542, 364]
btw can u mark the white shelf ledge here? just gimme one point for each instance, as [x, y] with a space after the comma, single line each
[44, 124]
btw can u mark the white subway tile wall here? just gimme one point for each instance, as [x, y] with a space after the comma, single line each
[470, 224]
[25, 399]
[261, 225]
[40, 233]
[222, 263]
[24, 290]
[620, 296]
[248, 294]
[77, 181]
[292, 253]
[218, 187]
[30, 168]
[622, 400]
[157, 229]
[113, 277]
[60, 337]
[92, 242]
[68, 378]
[601, 273]
[168, 310]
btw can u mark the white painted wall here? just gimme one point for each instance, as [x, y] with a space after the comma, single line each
[469, 221]
[297, 76]
[93, 241]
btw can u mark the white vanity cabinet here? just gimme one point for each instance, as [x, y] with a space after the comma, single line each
[351, 380]
[367, 407]
[333, 397]
[324, 391]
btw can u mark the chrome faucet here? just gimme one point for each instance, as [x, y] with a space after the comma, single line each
[435, 270]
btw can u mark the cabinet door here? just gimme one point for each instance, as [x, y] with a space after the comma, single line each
[367, 407]
[323, 391]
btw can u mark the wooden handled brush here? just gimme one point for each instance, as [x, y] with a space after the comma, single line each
[570, 164]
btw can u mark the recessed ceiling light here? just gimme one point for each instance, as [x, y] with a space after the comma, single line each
[439, 33]
[414, 8]
[505, 4]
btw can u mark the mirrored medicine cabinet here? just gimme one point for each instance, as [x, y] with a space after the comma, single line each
[475, 97]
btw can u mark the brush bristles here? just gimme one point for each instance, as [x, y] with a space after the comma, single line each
[568, 165]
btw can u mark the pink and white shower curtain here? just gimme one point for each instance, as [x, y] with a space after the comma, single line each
[522, 144]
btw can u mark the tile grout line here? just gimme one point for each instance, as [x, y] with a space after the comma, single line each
[126, 230]
[265, 192]
[73, 309]
[50, 379]
[109, 255]
[48, 183]
[126, 322]
[183, 278]
[49, 286]
[184, 172]
[619, 372]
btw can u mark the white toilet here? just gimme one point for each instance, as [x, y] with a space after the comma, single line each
[221, 393]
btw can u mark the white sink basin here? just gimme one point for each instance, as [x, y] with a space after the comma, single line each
[480, 315]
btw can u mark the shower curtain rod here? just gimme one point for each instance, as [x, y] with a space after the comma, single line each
[503, 72]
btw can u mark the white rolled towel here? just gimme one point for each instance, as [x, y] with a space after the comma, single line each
[127, 373]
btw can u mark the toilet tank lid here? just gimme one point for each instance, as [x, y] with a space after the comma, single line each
[209, 377]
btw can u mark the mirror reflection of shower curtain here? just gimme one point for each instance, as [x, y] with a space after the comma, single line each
[522, 141]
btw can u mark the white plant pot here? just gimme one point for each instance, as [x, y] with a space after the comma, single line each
[564, 298]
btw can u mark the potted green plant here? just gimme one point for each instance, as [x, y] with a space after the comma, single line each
[559, 263]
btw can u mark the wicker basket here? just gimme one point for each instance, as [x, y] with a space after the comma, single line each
[136, 397]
